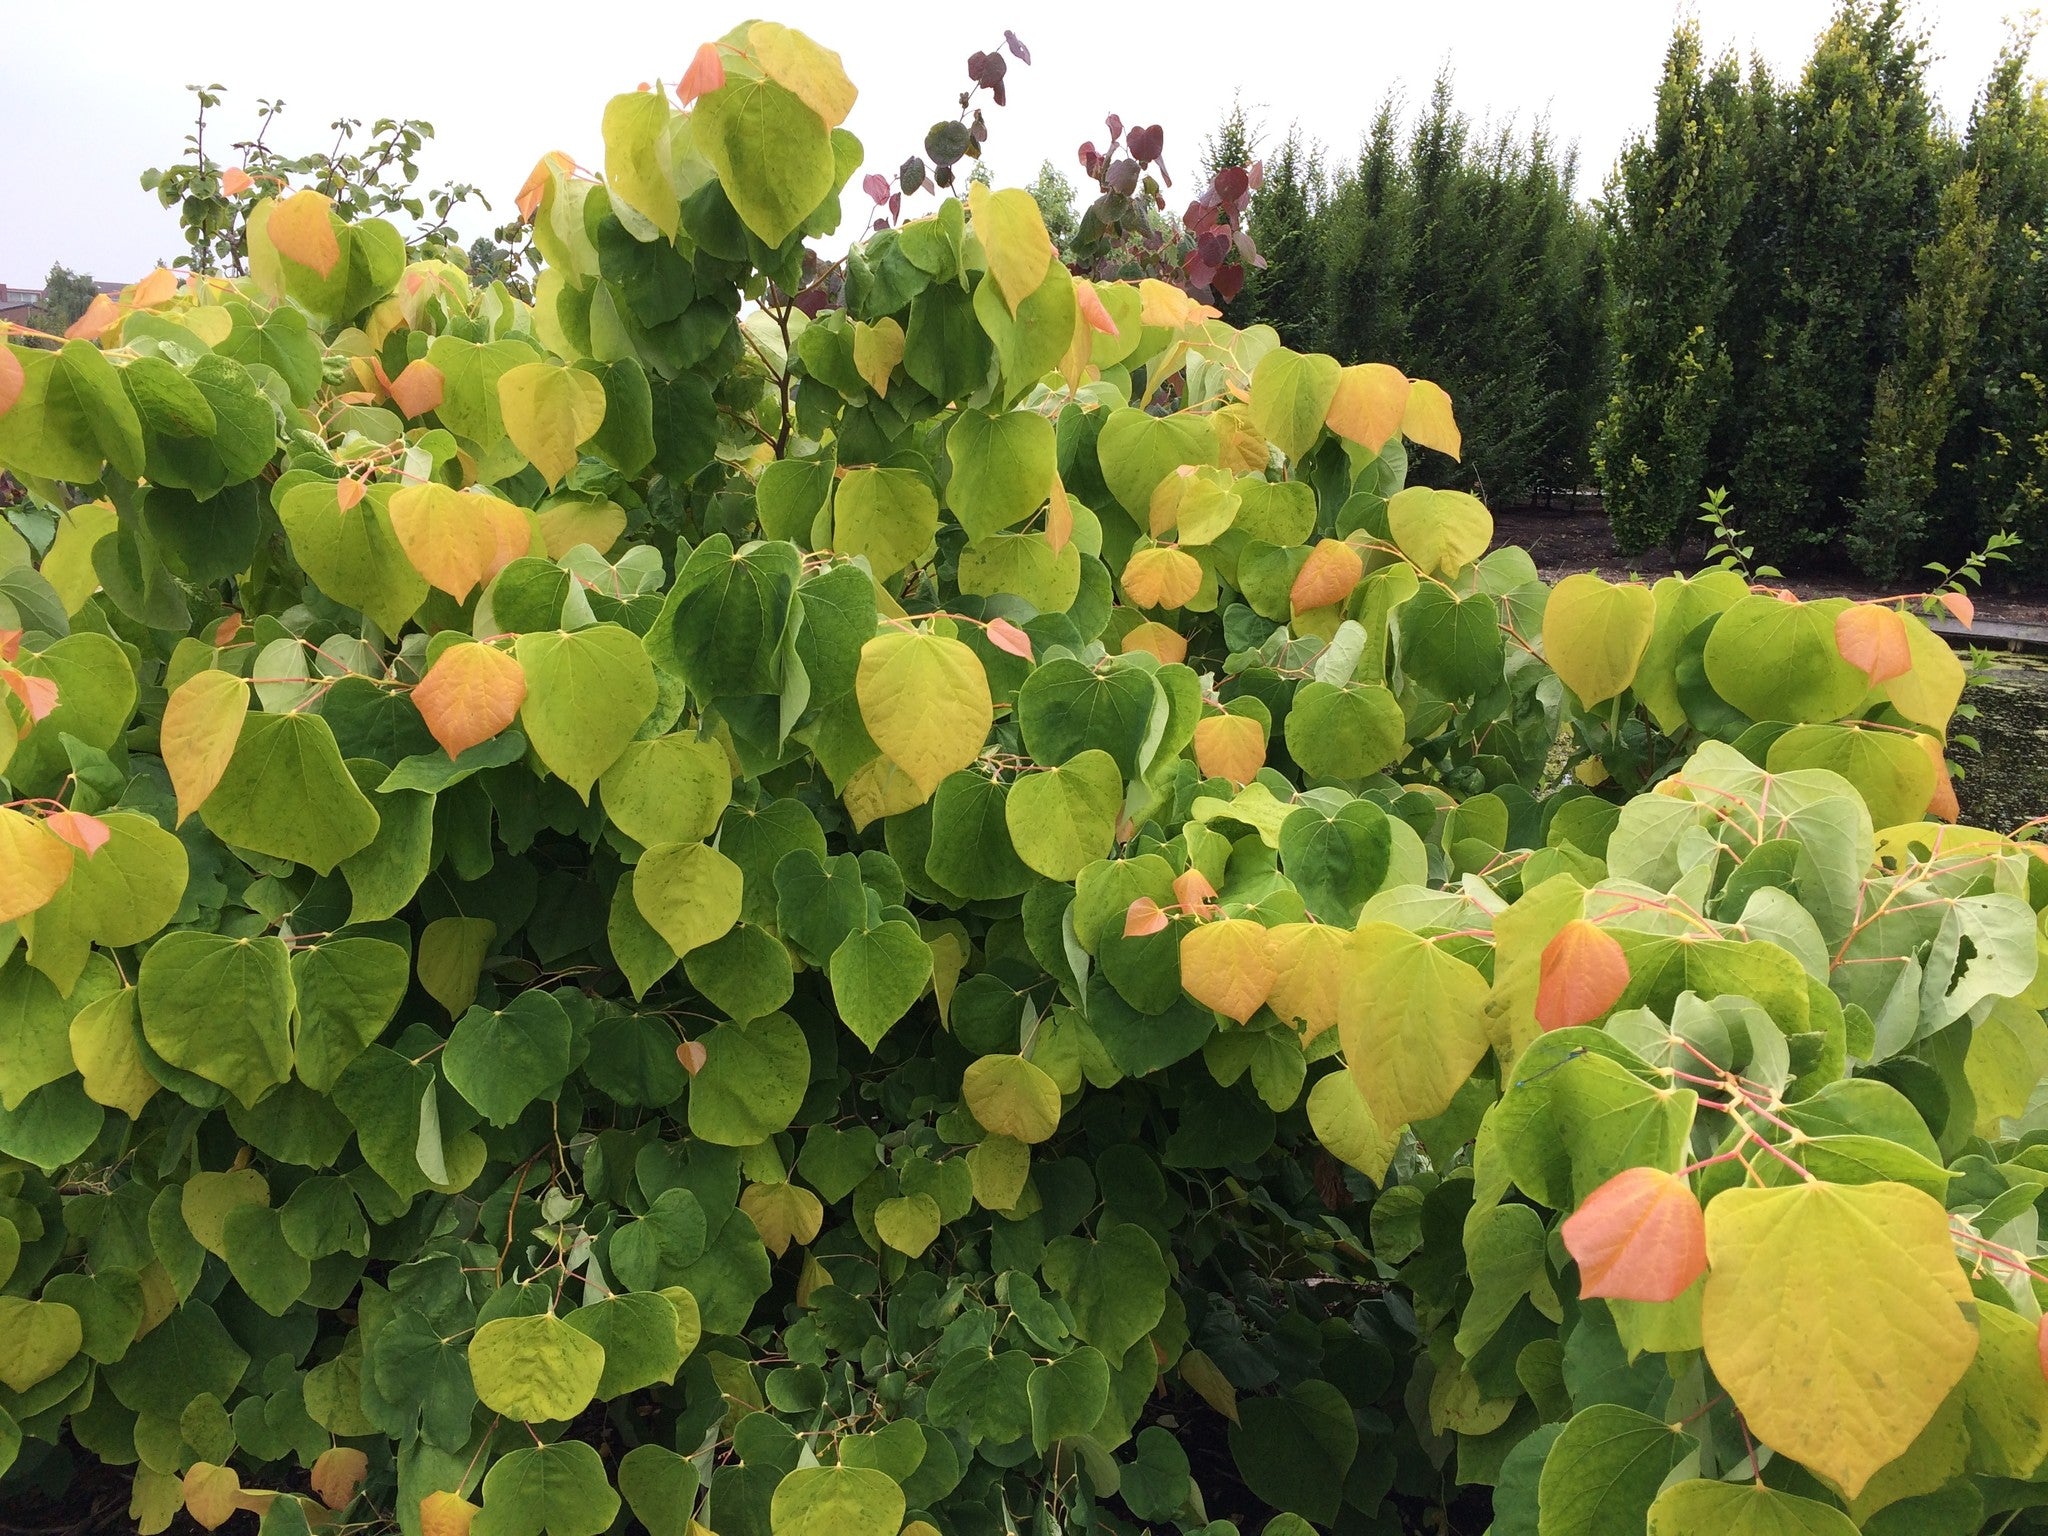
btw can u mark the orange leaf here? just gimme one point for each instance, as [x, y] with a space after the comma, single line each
[447, 535]
[98, 319]
[446, 1514]
[1960, 608]
[531, 190]
[10, 644]
[417, 389]
[706, 73]
[234, 181]
[1332, 569]
[1583, 974]
[511, 531]
[469, 695]
[348, 493]
[1005, 636]
[1162, 577]
[34, 864]
[1428, 419]
[38, 695]
[1156, 638]
[1193, 892]
[227, 629]
[1872, 638]
[1230, 747]
[1226, 966]
[1942, 803]
[302, 229]
[1144, 917]
[88, 834]
[1370, 401]
[202, 722]
[1641, 1236]
[11, 379]
[160, 287]
[1092, 311]
[337, 1473]
[692, 1055]
[1059, 517]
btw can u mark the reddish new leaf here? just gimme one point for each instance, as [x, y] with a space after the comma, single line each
[692, 1055]
[38, 695]
[1641, 1236]
[235, 181]
[417, 389]
[1092, 310]
[88, 834]
[706, 73]
[1144, 916]
[1196, 895]
[1960, 608]
[348, 492]
[11, 379]
[1005, 636]
[1583, 974]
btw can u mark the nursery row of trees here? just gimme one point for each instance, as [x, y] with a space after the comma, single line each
[1785, 287]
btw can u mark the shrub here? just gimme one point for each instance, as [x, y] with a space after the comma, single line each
[686, 904]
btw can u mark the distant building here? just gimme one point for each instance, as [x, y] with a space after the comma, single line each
[15, 303]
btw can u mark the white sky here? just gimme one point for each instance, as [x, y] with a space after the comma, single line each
[95, 94]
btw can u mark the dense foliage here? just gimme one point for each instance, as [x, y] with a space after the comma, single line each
[950, 914]
[1804, 303]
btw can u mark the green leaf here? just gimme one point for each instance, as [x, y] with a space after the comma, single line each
[971, 854]
[1337, 862]
[1344, 732]
[1778, 661]
[286, 793]
[886, 516]
[1068, 1394]
[1294, 1450]
[877, 974]
[753, 1078]
[37, 1339]
[908, 1223]
[557, 1489]
[535, 1368]
[1065, 709]
[587, 691]
[772, 154]
[346, 991]
[1742, 1509]
[1291, 394]
[1605, 1469]
[1064, 819]
[354, 556]
[71, 417]
[837, 1501]
[220, 1008]
[1115, 1286]
[269, 1270]
[502, 1060]
[1002, 468]
[660, 1488]
[637, 1332]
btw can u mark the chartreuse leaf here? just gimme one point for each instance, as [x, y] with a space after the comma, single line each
[550, 411]
[689, 893]
[752, 1080]
[1064, 819]
[1441, 531]
[1860, 1285]
[535, 1368]
[924, 700]
[587, 692]
[220, 1008]
[1003, 467]
[1291, 394]
[886, 516]
[1012, 1097]
[772, 154]
[557, 1489]
[1411, 1018]
[837, 1501]
[37, 1339]
[1742, 1509]
[1595, 634]
[286, 793]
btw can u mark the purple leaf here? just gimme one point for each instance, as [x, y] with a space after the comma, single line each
[1023, 54]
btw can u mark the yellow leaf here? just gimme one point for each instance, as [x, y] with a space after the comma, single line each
[1410, 1018]
[1595, 633]
[103, 1046]
[1308, 962]
[879, 788]
[1225, 966]
[212, 1494]
[925, 702]
[446, 1514]
[450, 536]
[202, 722]
[568, 523]
[783, 1213]
[1013, 237]
[550, 412]
[1012, 1097]
[469, 695]
[877, 349]
[302, 229]
[1371, 400]
[999, 1166]
[1441, 531]
[337, 1473]
[34, 864]
[1155, 639]
[1337, 1113]
[1834, 1317]
[1230, 747]
[1162, 577]
[1428, 419]
[815, 76]
[1207, 1378]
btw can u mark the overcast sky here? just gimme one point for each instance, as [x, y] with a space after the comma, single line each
[96, 93]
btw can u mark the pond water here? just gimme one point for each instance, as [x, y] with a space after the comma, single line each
[2008, 783]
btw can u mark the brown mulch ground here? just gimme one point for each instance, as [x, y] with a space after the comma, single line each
[1561, 542]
